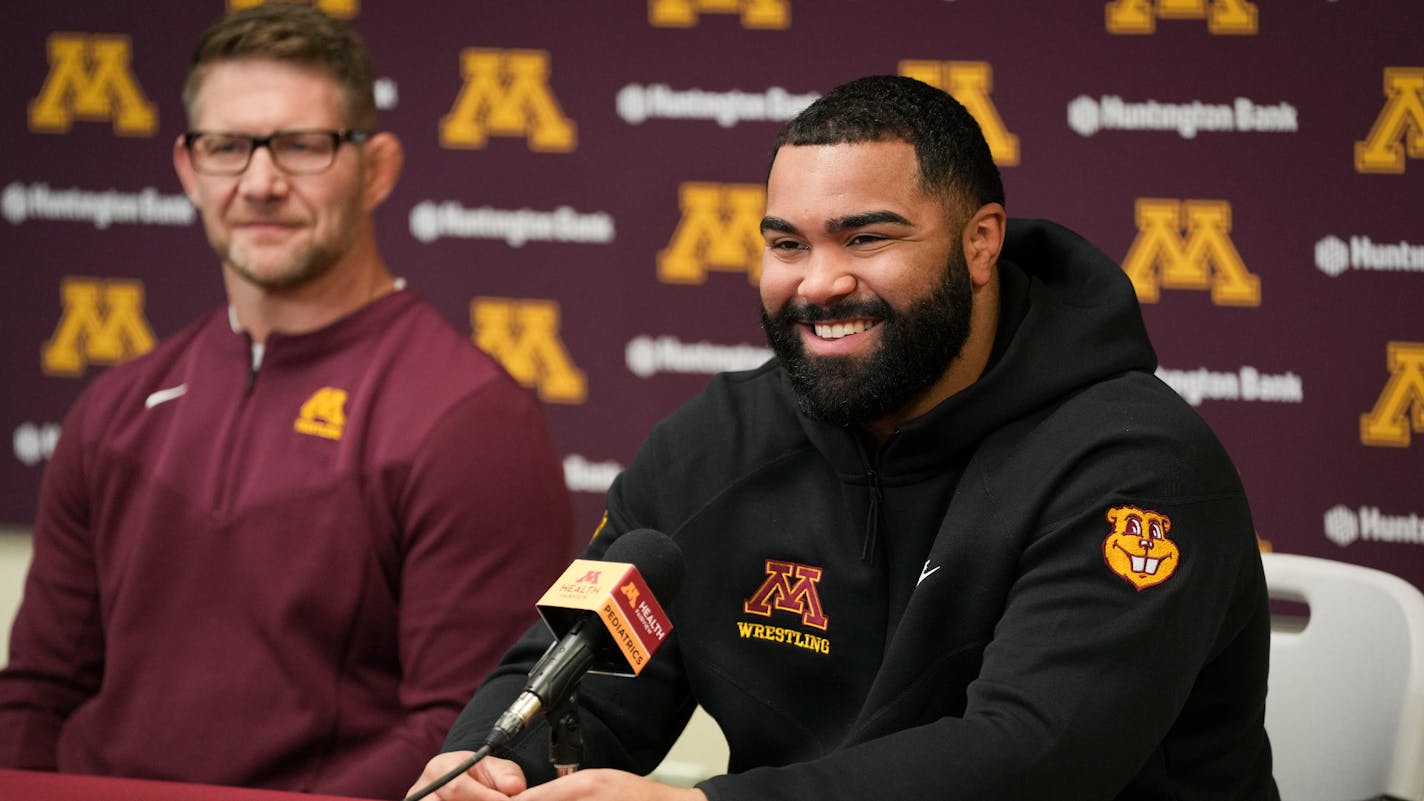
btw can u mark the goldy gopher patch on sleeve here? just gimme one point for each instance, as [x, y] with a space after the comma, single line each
[1137, 547]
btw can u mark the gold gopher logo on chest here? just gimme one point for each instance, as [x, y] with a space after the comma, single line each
[1137, 547]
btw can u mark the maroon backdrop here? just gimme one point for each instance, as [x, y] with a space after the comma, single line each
[583, 182]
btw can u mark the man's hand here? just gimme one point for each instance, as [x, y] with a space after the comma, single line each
[491, 779]
[495, 779]
[608, 785]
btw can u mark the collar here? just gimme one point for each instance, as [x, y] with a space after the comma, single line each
[259, 349]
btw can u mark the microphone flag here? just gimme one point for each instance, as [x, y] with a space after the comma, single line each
[617, 594]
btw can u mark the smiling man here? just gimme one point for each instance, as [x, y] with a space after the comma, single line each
[258, 546]
[954, 541]
[875, 308]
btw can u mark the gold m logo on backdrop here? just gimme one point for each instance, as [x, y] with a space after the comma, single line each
[506, 93]
[90, 79]
[341, 9]
[524, 336]
[1204, 258]
[720, 230]
[1228, 17]
[1399, 128]
[103, 323]
[754, 13]
[970, 82]
[1400, 407]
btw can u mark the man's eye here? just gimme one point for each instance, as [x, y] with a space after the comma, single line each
[224, 147]
[785, 244]
[865, 239]
[301, 145]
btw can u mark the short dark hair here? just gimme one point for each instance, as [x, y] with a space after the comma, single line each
[299, 34]
[953, 156]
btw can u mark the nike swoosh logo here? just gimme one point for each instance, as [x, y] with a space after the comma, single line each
[927, 571]
[165, 395]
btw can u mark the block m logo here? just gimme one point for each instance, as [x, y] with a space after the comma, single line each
[1399, 128]
[341, 9]
[524, 336]
[103, 323]
[1204, 258]
[1400, 407]
[1223, 17]
[754, 13]
[323, 414]
[779, 593]
[720, 230]
[506, 93]
[970, 82]
[90, 79]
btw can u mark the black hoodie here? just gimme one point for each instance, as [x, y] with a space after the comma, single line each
[1048, 586]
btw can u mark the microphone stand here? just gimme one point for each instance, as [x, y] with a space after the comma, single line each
[565, 736]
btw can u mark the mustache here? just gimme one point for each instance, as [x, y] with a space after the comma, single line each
[844, 310]
[278, 219]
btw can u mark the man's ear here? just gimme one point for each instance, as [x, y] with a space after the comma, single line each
[183, 165]
[383, 159]
[983, 239]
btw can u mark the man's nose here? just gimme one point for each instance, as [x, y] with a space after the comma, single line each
[826, 279]
[262, 178]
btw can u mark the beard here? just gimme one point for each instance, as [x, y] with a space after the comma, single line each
[305, 264]
[916, 347]
[274, 267]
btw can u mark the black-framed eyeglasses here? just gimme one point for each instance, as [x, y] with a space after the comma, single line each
[296, 152]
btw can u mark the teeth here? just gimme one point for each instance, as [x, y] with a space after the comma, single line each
[840, 330]
[1144, 564]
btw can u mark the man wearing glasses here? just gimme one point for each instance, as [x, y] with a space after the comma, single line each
[280, 549]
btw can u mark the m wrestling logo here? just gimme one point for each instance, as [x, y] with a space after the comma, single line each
[789, 587]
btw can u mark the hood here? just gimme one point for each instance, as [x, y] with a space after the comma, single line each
[1069, 318]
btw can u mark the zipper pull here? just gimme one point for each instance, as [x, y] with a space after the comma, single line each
[872, 522]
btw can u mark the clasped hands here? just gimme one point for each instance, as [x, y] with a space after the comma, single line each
[495, 779]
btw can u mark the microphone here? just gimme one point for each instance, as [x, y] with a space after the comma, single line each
[606, 616]
[607, 619]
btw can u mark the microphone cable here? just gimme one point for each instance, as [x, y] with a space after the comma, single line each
[452, 775]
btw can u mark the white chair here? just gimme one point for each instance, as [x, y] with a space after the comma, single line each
[1345, 709]
[700, 753]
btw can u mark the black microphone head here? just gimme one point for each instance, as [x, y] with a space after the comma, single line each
[657, 557]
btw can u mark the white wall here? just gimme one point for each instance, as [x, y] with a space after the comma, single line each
[14, 561]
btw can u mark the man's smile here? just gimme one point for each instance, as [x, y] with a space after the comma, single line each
[838, 330]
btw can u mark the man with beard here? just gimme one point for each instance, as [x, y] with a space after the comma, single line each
[280, 549]
[954, 541]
